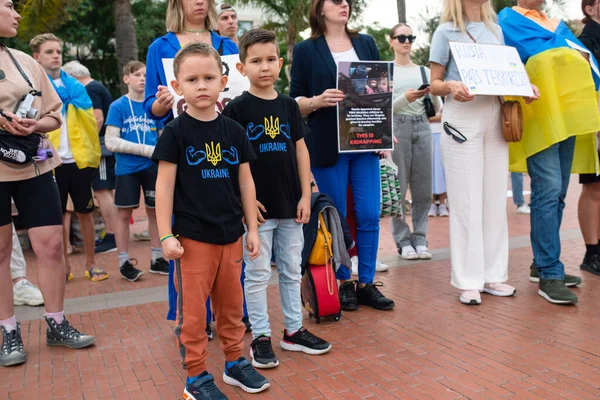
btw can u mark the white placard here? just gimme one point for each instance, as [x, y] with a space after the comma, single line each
[489, 69]
[236, 84]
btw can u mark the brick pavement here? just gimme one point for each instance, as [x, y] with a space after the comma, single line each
[429, 347]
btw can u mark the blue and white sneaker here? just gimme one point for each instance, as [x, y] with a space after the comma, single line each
[203, 388]
[244, 376]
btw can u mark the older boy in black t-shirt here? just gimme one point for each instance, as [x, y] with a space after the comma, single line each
[281, 173]
[204, 180]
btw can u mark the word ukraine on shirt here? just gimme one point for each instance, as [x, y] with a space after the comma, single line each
[213, 155]
[272, 129]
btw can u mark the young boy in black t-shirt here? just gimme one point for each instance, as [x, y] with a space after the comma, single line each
[282, 176]
[204, 180]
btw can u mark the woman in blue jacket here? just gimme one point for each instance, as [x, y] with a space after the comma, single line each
[187, 21]
[313, 85]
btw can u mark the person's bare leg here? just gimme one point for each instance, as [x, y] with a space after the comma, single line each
[106, 201]
[153, 227]
[67, 217]
[87, 232]
[47, 243]
[588, 212]
[443, 197]
[7, 309]
[122, 229]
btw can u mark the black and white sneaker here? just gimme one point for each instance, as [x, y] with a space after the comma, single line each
[262, 353]
[209, 332]
[244, 376]
[203, 388]
[129, 272]
[160, 266]
[305, 342]
[64, 334]
[12, 352]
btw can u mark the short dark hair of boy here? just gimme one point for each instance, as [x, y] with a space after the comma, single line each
[254, 36]
[195, 49]
[132, 67]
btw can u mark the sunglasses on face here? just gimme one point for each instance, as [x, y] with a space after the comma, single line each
[454, 133]
[403, 38]
[339, 2]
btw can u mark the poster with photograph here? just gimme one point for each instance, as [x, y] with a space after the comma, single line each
[365, 115]
[236, 85]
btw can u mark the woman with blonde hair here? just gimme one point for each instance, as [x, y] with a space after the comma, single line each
[475, 157]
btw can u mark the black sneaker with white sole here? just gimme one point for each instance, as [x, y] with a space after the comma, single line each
[305, 342]
[129, 272]
[591, 264]
[556, 292]
[244, 376]
[262, 353]
[570, 280]
[160, 266]
[203, 388]
[12, 351]
[64, 334]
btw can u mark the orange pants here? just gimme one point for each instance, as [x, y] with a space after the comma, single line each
[209, 269]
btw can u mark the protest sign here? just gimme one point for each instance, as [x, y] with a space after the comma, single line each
[365, 114]
[236, 84]
[489, 69]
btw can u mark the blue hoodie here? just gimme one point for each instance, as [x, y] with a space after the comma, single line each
[166, 47]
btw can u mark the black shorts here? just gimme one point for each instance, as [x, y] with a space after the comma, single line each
[105, 174]
[36, 199]
[77, 183]
[127, 194]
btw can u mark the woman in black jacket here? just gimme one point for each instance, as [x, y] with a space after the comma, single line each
[589, 202]
[313, 85]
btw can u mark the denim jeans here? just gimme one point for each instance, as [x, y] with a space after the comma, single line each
[285, 238]
[361, 170]
[517, 188]
[550, 171]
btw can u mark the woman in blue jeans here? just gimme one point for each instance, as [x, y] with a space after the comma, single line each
[313, 82]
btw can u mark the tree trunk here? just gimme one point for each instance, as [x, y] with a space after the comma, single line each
[401, 10]
[291, 42]
[125, 36]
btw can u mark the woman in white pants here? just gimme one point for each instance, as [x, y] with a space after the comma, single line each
[475, 157]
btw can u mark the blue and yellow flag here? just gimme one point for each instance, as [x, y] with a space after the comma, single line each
[568, 84]
[81, 122]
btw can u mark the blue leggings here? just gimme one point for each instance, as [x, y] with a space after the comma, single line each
[172, 314]
[362, 171]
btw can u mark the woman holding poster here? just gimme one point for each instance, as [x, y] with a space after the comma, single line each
[414, 151]
[313, 82]
[187, 21]
[475, 157]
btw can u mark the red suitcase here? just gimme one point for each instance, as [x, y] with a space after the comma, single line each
[320, 292]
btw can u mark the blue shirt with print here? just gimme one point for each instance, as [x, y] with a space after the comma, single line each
[136, 127]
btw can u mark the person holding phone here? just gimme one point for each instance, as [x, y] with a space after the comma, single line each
[414, 150]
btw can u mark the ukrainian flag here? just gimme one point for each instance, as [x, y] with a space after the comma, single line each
[568, 104]
[81, 123]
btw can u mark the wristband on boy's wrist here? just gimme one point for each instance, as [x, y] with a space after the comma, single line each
[170, 235]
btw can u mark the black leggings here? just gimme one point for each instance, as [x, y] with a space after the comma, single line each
[37, 200]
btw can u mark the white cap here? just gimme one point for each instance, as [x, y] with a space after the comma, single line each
[224, 7]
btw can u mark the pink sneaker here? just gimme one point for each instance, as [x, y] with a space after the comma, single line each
[470, 297]
[499, 289]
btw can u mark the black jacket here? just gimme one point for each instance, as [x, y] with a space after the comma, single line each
[313, 72]
[590, 37]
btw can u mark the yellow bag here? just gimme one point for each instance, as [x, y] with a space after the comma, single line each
[322, 251]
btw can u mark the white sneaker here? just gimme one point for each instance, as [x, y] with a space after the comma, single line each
[433, 210]
[470, 297]
[381, 267]
[26, 293]
[409, 253]
[354, 265]
[524, 209]
[423, 253]
[443, 211]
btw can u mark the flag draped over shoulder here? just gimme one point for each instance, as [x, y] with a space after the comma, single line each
[568, 84]
[81, 122]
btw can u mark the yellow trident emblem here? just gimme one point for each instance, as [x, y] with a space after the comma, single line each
[213, 154]
[272, 128]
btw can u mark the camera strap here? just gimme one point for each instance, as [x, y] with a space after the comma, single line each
[34, 92]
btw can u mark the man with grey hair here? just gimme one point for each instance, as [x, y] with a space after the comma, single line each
[104, 180]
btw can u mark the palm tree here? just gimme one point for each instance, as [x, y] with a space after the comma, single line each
[125, 35]
[39, 16]
[401, 10]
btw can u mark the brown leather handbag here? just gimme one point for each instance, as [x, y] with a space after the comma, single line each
[511, 118]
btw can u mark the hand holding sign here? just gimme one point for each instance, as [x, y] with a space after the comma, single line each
[164, 98]
[460, 91]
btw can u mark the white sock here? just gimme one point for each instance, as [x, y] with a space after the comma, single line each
[123, 258]
[9, 324]
[156, 253]
[57, 316]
